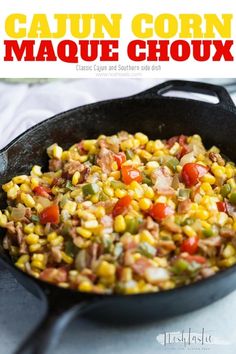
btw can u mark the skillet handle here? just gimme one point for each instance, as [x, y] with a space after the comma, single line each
[220, 92]
[44, 338]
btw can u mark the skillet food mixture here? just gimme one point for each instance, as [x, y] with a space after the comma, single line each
[124, 214]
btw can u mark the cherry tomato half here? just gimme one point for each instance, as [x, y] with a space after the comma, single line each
[120, 158]
[50, 214]
[130, 174]
[190, 245]
[160, 211]
[192, 172]
[121, 205]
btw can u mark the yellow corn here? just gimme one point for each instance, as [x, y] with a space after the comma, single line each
[57, 241]
[31, 239]
[202, 214]
[109, 191]
[146, 236]
[51, 236]
[29, 229]
[105, 269]
[25, 188]
[3, 220]
[189, 231]
[85, 286]
[119, 223]
[75, 178]
[208, 178]
[145, 203]
[35, 247]
[70, 206]
[100, 212]
[142, 138]
[67, 259]
[20, 179]
[57, 152]
[90, 224]
[149, 193]
[36, 170]
[229, 251]
[126, 274]
[37, 264]
[120, 193]
[13, 192]
[27, 200]
[34, 183]
[7, 186]
[39, 230]
[83, 232]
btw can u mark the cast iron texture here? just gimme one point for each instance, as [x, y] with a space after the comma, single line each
[158, 117]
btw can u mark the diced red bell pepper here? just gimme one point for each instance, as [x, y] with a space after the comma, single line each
[121, 205]
[221, 206]
[192, 172]
[160, 211]
[50, 215]
[120, 158]
[42, 191]
[130, 174]
[190, 245]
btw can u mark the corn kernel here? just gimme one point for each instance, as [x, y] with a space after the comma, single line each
[57, 241]
[70, 206]
[149, 193]
[189, 231]
[126, 144]
[208, 178]
[83, 158]
[20, 179]
[65, 156]
[51, 236]
[25, 188]
[27, 200]
[13, 192]
[120, 193]
[83, 232]
[85, 286]
[67, 259]
[119, 223]
[75, 178]
[3, 220]
[39, 230]
[38, 264]
[100, 212]
[222, 218]
[145, 155]
[126, 274]
[105, 269]
[29, 229]
[202, 214]
[31, 239]
[34, 183]
[109, 191]
[150, 146]
[145, 203]
[90, 224]
[7, 186]
[142, 138]
[229, 251]
[36, 170]
[146, 236]
[35, 247]
[95, 198]
[57, 152]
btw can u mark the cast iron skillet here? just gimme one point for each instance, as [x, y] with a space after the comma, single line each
[158, 117]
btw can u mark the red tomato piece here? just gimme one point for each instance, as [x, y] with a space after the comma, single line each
[50, 214]
[190, 245]
[121, 205]
[160, 211]
[130, 174]
[221, 206]
[120, 158]
[192, 172]
[196, 258]
[42, 191]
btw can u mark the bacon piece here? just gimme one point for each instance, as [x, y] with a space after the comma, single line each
[55, 165]
[141, 265]
[184, 206]
[105, 160]
[54, 275]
